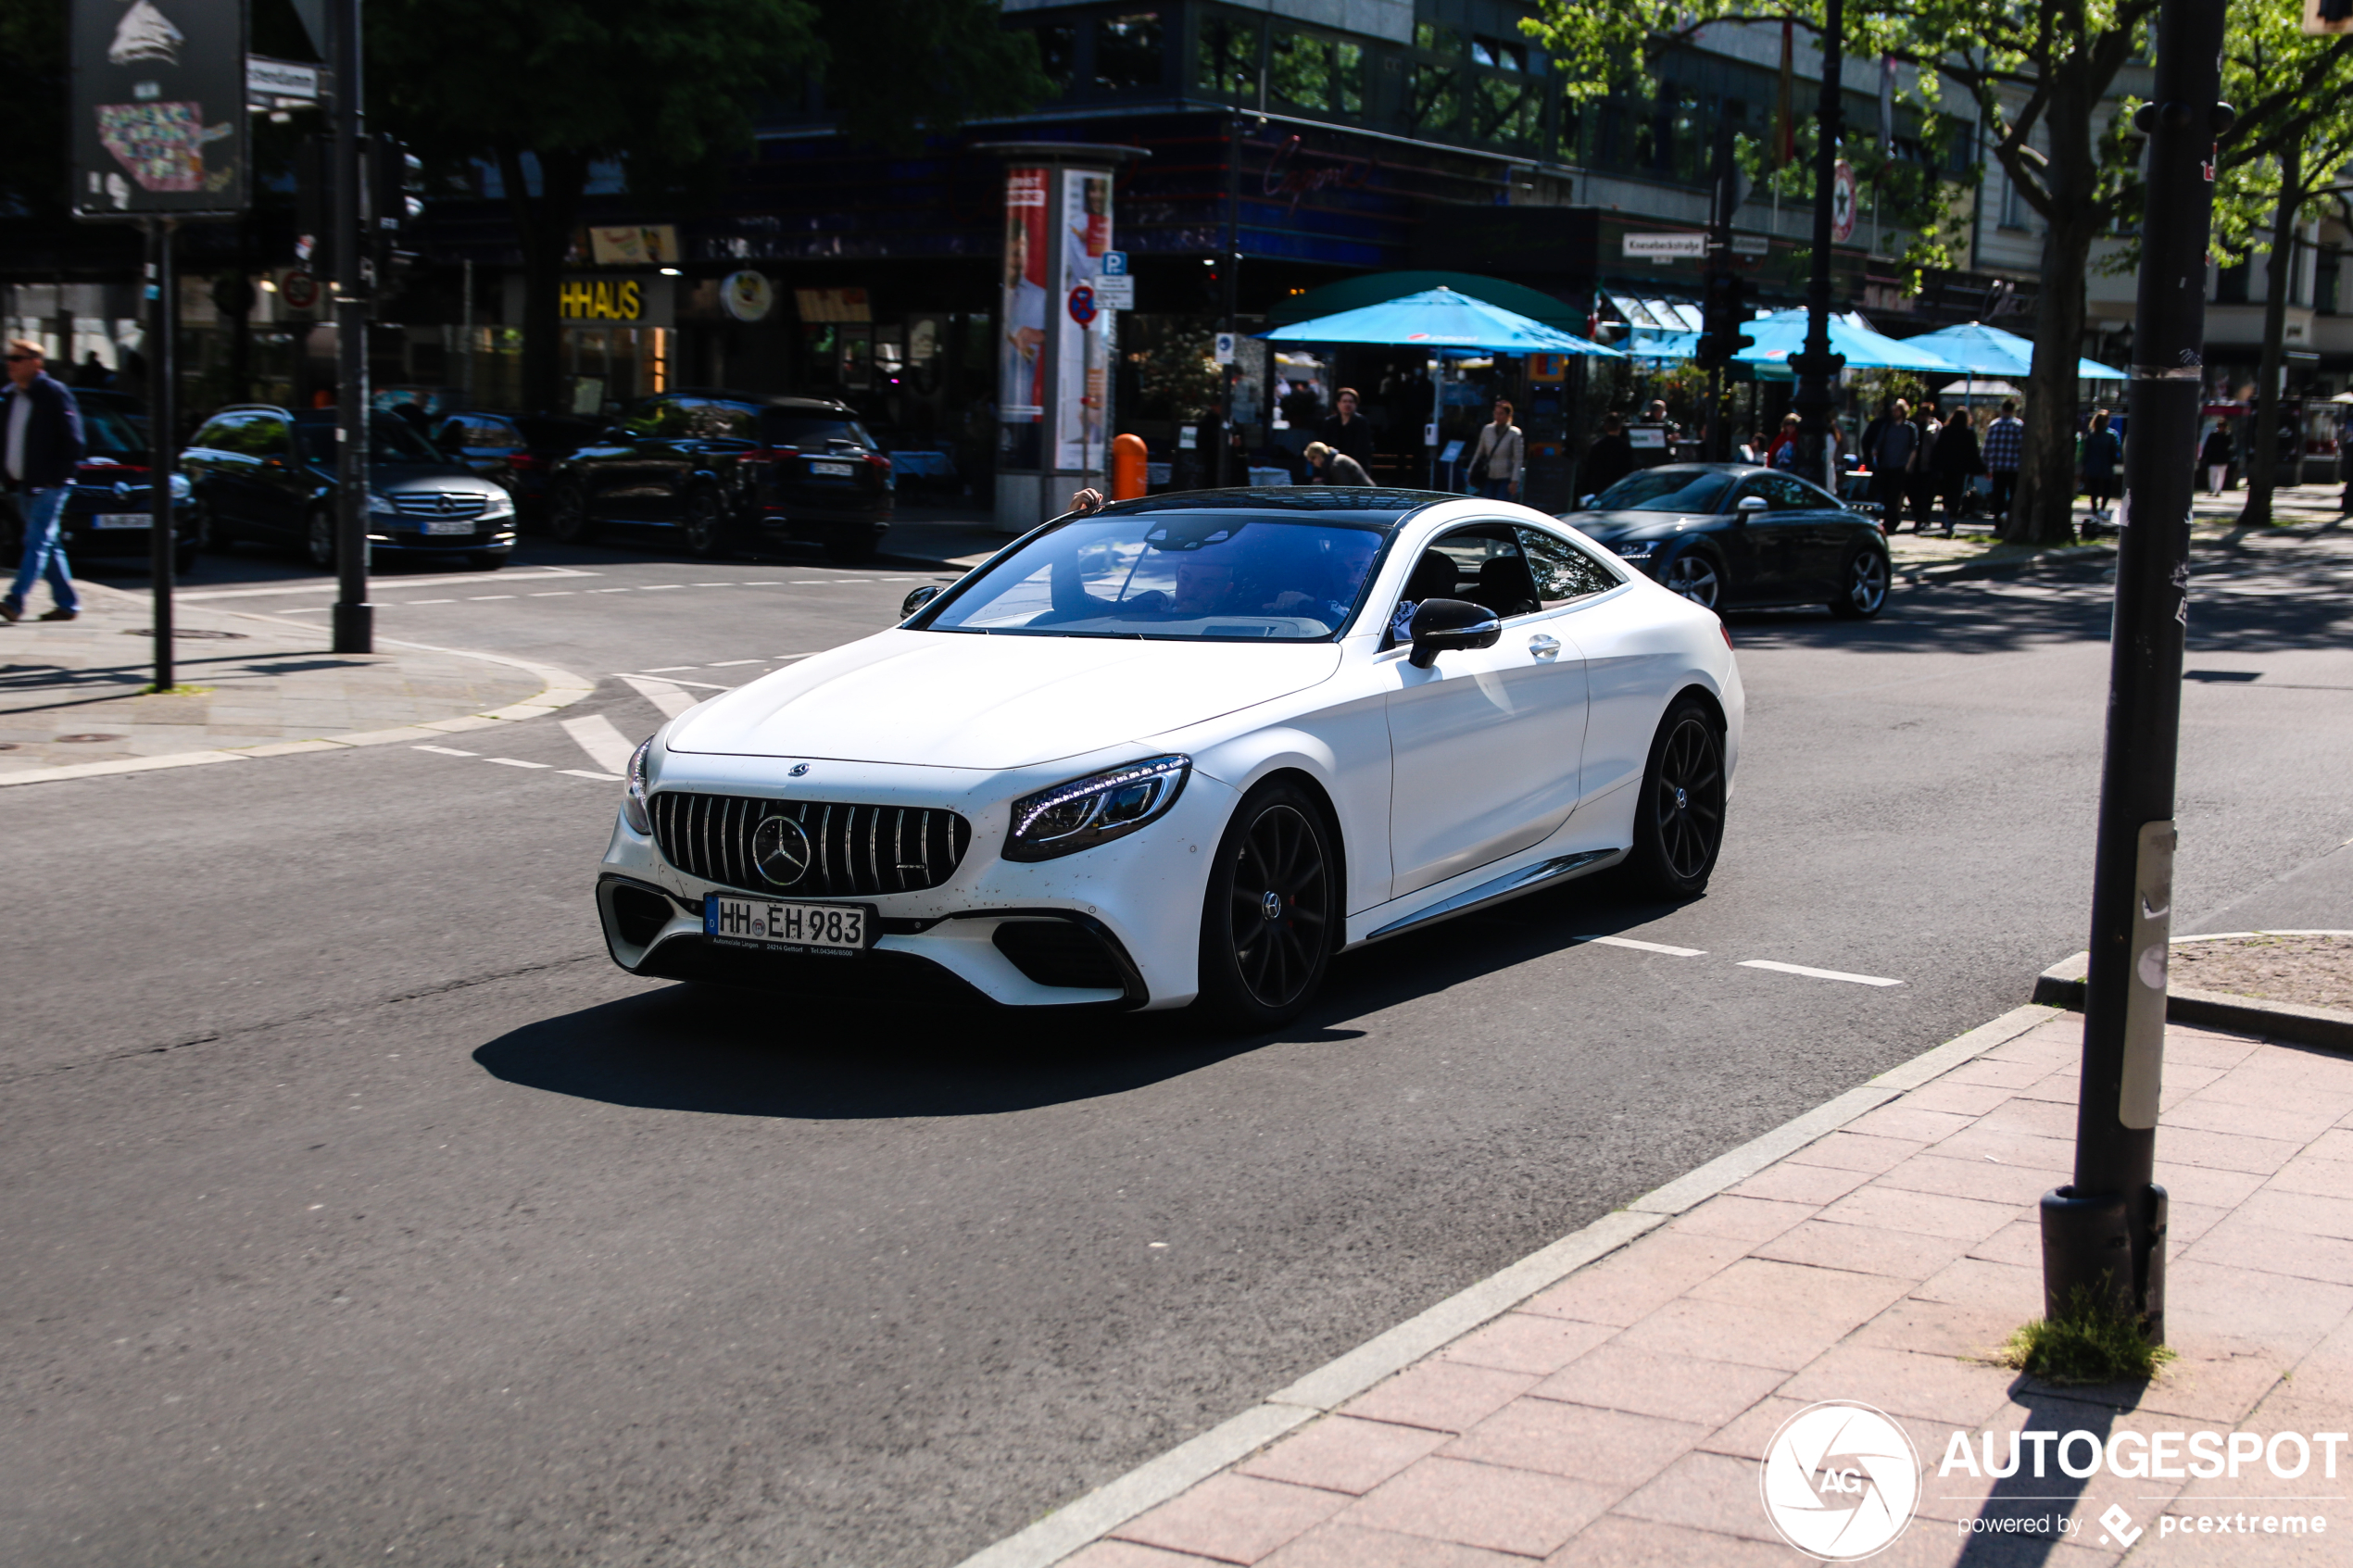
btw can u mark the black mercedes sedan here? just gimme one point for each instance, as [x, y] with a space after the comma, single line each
[719, 469]
[1730, 536]
[109, 510]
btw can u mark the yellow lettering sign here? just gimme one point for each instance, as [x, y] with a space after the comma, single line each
[601, 299]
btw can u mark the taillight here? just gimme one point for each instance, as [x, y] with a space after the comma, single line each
[1726, 630]
[879, 460]
[526, 462]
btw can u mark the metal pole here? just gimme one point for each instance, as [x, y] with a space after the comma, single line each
[466, 338]
[1231, 304]
[1816, 367]
[2106, 1233]
[163, 419]
[354, 616]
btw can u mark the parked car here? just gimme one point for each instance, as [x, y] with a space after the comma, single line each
[133, 410]
[1186, 748]
[269, 475]
[718, 468]
[1733, 535]
[109, 505]
[516, 451]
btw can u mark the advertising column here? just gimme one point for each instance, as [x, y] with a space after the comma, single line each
[1052, 363]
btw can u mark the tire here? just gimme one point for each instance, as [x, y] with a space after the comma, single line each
[850, 549]
[1678, 824]
[568, 518]
[1862, 585]
[1271, 913]
[706, 524]
[1698, 576]
[319, 539]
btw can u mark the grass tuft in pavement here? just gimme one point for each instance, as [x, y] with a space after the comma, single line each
[184, 690]
[2089, 1343]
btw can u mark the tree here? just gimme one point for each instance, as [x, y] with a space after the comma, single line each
[668, 88]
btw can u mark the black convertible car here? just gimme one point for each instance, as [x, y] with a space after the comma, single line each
[1734, 536]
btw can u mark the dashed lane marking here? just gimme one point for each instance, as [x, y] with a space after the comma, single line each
[556, 593]
[528, 575]
[660, 587]
[666, 669]
[728, 663]
[448, 751]
[516, 762]
[600, 778]
[477, 598]
[430, 601]
[1647, 947]
[1816, 973]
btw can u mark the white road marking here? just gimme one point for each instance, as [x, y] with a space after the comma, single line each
[658, 587]
[704, 685]
[714, 585]
[810, 582]
[1816, 973]
[534, 574]
[556, 593]
[600, 778]
[602, 740]
[516, 762]
[449, 751]
[666, 669]
[769, 582]
[789, 657]
[731, 663]
[612, 590]
[1647, 947]
[477, 598]
[426, 601]
[661, 693]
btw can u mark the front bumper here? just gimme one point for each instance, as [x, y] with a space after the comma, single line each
[1117, 925]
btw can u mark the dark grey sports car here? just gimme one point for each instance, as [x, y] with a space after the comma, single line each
[1733, 536]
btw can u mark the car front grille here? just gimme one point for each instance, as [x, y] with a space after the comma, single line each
[853, 851]
[437, 503]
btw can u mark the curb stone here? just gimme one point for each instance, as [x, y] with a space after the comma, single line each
[1079, 1524]
[2062, 985]
[559, 689]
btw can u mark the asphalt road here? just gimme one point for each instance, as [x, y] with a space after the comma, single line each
[358, 1210]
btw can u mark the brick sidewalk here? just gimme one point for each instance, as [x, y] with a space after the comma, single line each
[263, 685]
[1619, 1416]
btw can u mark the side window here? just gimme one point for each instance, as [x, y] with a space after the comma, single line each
[1483, 564]
[220, 435]
[708, 419]
[647, 418]
[1563, 571]
[267, 436]
[249, 436]
[1786, 492]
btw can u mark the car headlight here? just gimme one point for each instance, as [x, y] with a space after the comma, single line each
[1094, 809]
[1635, 550]
[379, 504]
[500, 505]
[181, 488]
[632, 795]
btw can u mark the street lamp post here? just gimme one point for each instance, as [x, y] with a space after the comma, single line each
[2103, 1234]
[354, 617]
[1817, 368]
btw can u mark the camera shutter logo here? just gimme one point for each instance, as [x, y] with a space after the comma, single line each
[1841, 1481]
[781, 849]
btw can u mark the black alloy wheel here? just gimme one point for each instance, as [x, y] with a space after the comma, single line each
[1695, 574]
[706, 521]
[1271, 916]
[1678, 824]
[1862, 585]
[568, 518]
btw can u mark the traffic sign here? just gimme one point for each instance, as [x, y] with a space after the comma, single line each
[1082, 306]
[1115, 291]
[1751, 244]
[1115, 263]
[1666, 247]
[1223, 351]
[1842, 202]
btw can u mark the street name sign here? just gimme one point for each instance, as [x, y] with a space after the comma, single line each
[1666, 247]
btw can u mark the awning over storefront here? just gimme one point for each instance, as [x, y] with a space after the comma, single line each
[1377, 288]
[1981, 350]
[1442, 321]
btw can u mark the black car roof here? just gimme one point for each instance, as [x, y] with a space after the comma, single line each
[1361, 506]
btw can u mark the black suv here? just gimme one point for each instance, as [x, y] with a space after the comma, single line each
[267, 474]
[719, 467]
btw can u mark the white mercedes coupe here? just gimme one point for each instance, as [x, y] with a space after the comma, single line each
[1182, 750]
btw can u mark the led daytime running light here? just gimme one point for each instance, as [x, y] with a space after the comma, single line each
[1161, 777]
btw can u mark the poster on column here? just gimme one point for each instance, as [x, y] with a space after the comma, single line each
[1087, 235]
[1021, 320]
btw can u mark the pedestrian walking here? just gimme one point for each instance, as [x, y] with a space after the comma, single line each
[1958, 463]
[1920, 477]
[1328, 467]
[2214, 455]
[1891, 465]
[1347, 431]
[41, 426]
[1499, 459]
[2096, 464]
[2004, 447]
[1608, 459]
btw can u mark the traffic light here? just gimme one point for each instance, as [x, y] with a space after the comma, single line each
[396, 200]
[1723, 311]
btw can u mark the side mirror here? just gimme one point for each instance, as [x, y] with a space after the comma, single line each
[1749, 505]
[917, 599]
[1586, 503]
[1441, 626]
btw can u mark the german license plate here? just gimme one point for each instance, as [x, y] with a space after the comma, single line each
[839, 929]
[123, 519]
[836, 470]
[449, 525]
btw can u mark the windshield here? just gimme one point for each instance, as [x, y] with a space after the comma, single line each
[1209, 575]
[391, 440]
[1664, 490]
[106, 433]
[815, 432]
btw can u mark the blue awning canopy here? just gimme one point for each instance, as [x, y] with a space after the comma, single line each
[1444, 322]
[1978, 349]
[1782, 334]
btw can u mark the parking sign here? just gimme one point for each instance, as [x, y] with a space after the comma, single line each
[1115, 263]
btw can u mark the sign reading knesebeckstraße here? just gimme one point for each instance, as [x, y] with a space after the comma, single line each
[158, 109]
[1666, 247]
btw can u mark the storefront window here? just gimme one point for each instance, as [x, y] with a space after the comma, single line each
[1225, 58]
[1128, 52]
[1509, 111]
[1437, 99]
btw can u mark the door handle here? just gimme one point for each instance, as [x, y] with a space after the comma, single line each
[1542, 647]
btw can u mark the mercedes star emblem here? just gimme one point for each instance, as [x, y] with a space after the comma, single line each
[780, 849]
[799, 770]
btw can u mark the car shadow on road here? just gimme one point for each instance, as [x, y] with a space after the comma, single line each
[715, 1051]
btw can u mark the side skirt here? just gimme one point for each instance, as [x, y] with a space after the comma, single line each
[1510, 885]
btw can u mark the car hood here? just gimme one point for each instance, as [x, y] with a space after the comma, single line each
[956, 700]
[1605, 527]
[389, 477]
